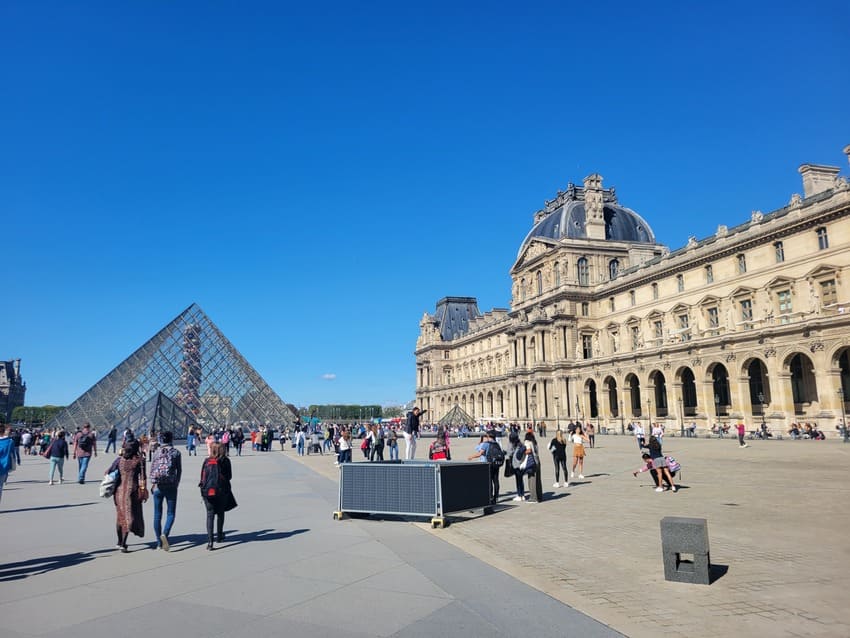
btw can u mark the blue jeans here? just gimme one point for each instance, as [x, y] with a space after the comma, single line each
[169, 493]
[394, 452]
[300, 448]
[84, 465]
[57, 462]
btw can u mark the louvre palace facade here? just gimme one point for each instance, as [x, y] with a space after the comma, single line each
[608, 325]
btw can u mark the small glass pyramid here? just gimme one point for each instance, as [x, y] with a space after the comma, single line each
[157, 414]
[191, 362]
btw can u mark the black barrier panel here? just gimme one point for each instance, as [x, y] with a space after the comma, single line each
[464, 486]
[388, 488]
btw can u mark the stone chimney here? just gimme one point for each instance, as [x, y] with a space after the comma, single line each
[16, 365]
[818, 178]
[594, 217]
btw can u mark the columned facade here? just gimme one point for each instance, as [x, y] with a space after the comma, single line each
[605, 324]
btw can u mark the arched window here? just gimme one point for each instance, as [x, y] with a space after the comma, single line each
[583, 272]
[539, 282]
[613, 268]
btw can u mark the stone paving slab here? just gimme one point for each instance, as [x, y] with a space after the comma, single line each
[778, 514]
[286, 567]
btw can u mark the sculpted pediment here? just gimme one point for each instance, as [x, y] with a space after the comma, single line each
[532, 251]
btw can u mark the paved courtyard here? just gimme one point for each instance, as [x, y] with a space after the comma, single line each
[778, 518]
[585, 562]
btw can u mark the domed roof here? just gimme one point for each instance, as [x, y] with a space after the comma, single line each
[564, 218]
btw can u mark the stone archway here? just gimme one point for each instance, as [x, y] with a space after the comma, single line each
[633, 388]
[593, 404]
[758, 385]
[659, 383]
[690, 401]
[720, 386]
[804, 389]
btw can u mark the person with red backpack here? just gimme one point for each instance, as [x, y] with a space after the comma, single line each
[216, 491]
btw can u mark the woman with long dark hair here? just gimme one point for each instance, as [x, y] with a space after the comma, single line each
[558, 447]
[216, 491]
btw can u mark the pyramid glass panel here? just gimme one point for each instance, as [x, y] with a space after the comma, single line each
[159, 414]
[191, 362]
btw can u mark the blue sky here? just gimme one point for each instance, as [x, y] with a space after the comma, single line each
[316, 176]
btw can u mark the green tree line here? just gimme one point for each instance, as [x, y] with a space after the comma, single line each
[35, 414]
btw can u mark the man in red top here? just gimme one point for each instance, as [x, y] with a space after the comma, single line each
[741, 431]
[85, 444]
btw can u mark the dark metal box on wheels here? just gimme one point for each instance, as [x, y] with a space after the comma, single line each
[413, 488]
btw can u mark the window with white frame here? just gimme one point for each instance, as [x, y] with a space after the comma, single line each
[587, 346]
[779, 252]
[655, 291]
[742, 264]
[680, 283]
[823, 238]
[746, 306]
[709, 274]
[828, 292]
[632, 298]
[684, 324]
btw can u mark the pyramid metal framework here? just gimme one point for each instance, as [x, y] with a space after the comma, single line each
[193, 363]
[160, 414]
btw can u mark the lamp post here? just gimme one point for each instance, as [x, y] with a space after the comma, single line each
[649, 415]
[761, 400]
[622, 424]
[843, 421]
[578, 414]
[717, 410]
[557, 416]
[681, 418]
[533, 406]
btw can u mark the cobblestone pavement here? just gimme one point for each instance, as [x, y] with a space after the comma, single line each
[778, 518]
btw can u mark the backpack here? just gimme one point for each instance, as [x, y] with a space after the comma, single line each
[84, 442]
[210, 479]
[495, 454]
[163, 467]
[529, 464]
[673, 465]
[225, 438]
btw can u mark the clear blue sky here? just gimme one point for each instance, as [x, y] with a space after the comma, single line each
[316, 176]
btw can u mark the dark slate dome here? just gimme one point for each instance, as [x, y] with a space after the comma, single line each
[564, 218]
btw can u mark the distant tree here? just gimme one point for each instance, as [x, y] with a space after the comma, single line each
[35, 414]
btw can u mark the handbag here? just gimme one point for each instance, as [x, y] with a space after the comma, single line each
[108, 484]
[143, 492]
[46, 453]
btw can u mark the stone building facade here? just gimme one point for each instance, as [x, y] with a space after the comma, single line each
[12, 388]
[608, 325]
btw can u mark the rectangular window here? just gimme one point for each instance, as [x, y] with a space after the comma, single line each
[683, 326]
[658, 328]
[585, 309]
[747, 313]
[828, 294]
[587, 346]
[709, 275]
[779, 249]
[784, 298]
[632, 297]
[713, 318]
[680, 283]
[823, 238]
[635, 330]
[655, 291]
[611, 304]
[742, 264]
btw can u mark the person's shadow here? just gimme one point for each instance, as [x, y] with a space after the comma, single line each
[188, 541]
[36, 566]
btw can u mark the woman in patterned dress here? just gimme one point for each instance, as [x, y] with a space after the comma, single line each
[130, 494]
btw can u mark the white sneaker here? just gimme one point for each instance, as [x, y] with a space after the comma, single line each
[581, 475]
[659, 489]
[517, 498]
[50, 482]
[675, 489]
[556, 485]
[572, 474]
[567, 484]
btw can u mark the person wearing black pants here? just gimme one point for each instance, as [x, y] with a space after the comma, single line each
[558, 448]
[222, 499]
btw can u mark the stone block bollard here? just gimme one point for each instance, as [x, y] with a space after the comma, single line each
[684, 546]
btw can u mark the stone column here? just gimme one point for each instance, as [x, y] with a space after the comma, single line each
[739, 394]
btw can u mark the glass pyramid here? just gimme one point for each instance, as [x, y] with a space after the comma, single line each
[160, 414]
[191, 362]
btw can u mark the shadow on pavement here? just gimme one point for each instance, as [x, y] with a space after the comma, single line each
[46, 507]
[36, 566]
